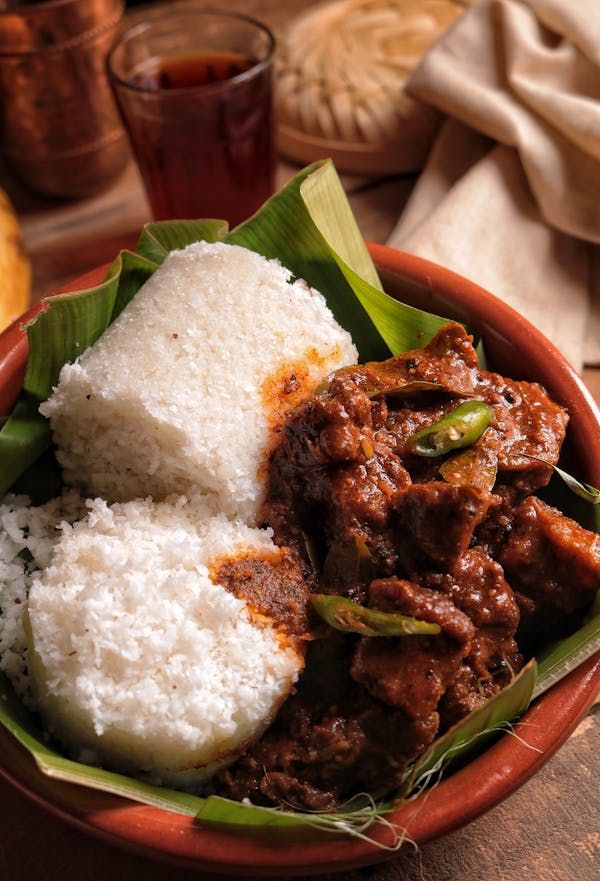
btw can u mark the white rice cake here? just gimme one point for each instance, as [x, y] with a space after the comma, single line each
[27, 536]
[184, 392]
[138, 659]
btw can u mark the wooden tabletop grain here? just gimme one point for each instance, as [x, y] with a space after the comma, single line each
[547, 831]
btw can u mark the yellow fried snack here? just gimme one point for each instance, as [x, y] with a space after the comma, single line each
[15, 270]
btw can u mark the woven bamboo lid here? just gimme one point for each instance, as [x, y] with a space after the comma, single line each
[340, 88]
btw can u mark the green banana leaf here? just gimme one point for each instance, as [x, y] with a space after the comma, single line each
[157, 239]
[24, 437]
[468, 735]
[24, 726]
[556, 662]
[352, 819]
[61, 332]
[309, 227]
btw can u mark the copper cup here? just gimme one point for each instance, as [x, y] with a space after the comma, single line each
[59, 129]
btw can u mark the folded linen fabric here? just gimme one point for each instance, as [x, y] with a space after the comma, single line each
[510, 195]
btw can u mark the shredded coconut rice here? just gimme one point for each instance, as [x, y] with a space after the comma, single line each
[27, 537]
[140, 662]
[113, 625]
[170, 398]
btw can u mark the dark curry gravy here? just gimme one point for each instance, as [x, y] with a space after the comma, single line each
[481, 556]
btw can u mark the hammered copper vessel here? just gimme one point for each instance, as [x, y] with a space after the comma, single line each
[59, 129]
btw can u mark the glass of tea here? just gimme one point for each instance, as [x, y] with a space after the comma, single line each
[195, 92]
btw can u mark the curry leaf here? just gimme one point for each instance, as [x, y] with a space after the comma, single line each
[476, 466]
[404, 390]
[583, 490]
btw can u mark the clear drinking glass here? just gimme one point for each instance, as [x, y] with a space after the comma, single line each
[195, 93]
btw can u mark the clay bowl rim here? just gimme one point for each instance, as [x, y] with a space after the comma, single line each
[483, 783]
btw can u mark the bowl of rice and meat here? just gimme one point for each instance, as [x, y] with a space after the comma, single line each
[276, 575]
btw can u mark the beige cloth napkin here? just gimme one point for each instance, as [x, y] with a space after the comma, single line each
[510, 196]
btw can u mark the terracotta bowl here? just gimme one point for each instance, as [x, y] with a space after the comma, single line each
[513, 346]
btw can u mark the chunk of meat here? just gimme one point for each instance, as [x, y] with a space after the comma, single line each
[338, 482]
[527, 424]
[466, 693]
[448, 360]
[326, 433]
[435, 523]
[477, 587]
[359, 502]
[454, 345]
[363, 494]
[412, 672]
[330, 740]
[550, 559]
[398, 595]
[497, 523]
[324, 760]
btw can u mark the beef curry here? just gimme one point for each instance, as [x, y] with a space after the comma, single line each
[456, 538]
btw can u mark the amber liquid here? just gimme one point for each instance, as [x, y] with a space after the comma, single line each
[187, 71]
[202, 152]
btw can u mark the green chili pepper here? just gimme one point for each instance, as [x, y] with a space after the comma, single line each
[459, 428]
[343, 614]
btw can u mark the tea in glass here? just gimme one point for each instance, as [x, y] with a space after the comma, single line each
[195, 92]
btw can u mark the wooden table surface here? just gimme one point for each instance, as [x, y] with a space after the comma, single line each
[547, 831]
